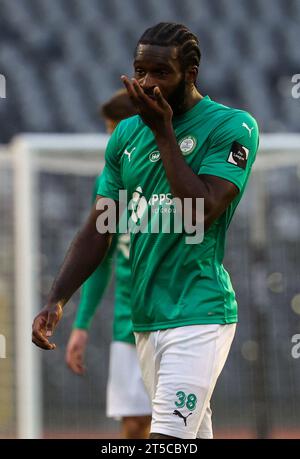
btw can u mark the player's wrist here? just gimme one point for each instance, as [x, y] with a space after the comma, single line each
[164, 132]
[54, 307]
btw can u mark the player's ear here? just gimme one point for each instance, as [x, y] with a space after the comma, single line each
[191, 74]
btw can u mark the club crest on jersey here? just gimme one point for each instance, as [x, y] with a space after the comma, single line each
[187, 145]
[154, 156]
[238, 155]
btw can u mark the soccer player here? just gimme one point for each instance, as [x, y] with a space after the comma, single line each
[126, 394]
[181, 145]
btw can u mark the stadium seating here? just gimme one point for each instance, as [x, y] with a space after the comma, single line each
[62, 58]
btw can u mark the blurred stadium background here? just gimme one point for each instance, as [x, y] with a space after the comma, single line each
[60, 60]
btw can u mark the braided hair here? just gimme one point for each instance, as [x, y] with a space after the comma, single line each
[173, 34]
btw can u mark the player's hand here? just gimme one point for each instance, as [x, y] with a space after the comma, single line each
[44, 324]
[76, 350]
[154, 111]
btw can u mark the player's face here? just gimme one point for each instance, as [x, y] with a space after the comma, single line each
[160, 66]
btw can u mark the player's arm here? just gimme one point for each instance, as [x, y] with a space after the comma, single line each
[86, 252]
[93, 290]
[221, 178]
[91, 295]
[184, 183]
[223, 171]
[94, 287]
[88, 248]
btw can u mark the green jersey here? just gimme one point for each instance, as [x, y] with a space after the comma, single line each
[95, 286]
[173, 283]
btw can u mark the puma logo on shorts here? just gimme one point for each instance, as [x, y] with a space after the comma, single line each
[177, 413]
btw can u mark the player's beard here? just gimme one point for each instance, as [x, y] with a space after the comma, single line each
[177, 99]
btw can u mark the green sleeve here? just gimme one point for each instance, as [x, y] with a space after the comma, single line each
[232, 151]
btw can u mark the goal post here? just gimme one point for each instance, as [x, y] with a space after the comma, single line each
[66, 154]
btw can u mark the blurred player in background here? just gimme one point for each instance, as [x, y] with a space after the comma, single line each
[182, 145]
[126, 394]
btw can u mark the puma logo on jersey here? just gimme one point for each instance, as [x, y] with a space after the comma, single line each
[180, 415]
[245, 125]
[129, 153]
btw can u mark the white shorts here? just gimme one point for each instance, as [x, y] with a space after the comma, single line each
[180, 368]
[126, 393]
